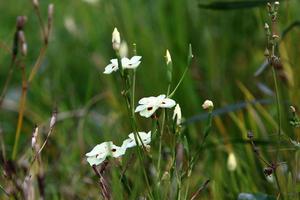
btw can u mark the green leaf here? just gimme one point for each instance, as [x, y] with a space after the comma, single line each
[289, 28]
[231, 5]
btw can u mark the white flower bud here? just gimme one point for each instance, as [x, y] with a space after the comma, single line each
[276, 3]
[34, 137]
[208, 105]
[266, 26]
[168, 57]
[35, 3]
[116, 39]
[177, 113]
[53, 119]
[123, 51]
[231, 162]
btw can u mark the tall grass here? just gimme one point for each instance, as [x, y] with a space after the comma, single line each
[228, 48]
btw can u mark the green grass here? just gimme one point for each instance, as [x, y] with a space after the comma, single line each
[228, 48]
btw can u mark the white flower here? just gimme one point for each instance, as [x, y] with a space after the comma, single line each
[112, 67]
[131, 63]
[231, 162]
[99, 153]
[177, 113]
[148, 105]
[116, 39]
[130, 142]
[208, 105]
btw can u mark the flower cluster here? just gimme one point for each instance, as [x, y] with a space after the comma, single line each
[99, 153]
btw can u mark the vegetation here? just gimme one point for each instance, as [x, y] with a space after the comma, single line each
[56, 104]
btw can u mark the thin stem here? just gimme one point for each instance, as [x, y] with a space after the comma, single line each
[21, 111]
[178, 84]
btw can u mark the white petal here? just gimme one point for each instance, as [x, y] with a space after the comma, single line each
[167, 103]
[114, 61]
[100, 149]
[140, 108]
[125, 62]
[148, 112]
[177, 114]
[135, 59]
[95, 161]
[147, 100]
[117, 151]
[110, 68]
[145, 137]
[134, 65]
[128, 143]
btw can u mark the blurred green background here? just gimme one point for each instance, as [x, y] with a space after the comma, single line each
[228, 48]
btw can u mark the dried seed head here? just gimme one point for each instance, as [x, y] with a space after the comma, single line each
[250, 135]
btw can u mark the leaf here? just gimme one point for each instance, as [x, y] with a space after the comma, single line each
[249, 196]
[232, 5]
[289, 28]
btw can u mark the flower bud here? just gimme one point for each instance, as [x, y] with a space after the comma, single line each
[116, 39]
[53, 119]
[177, 114]
[123, 49]
[231, 162]
[293, 109]
[168, 57]
[34, 137]
[35, 3]
[208, 105]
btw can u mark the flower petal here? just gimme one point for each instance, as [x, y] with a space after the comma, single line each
[95, 161]
[167, 103]
[110, 68]
[135, 59]
[148, 112]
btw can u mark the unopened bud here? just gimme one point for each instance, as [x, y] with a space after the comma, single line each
[116, 39]
[34, 137]
[168, 57]
[123, 51]
[208, 105]
[231, 162]
[35, 3]
[266, 26]
[50, 14]
[53, 119]
[267, 53]
[177, 114]
[293, 109]
[23, 44]
[21, 20]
